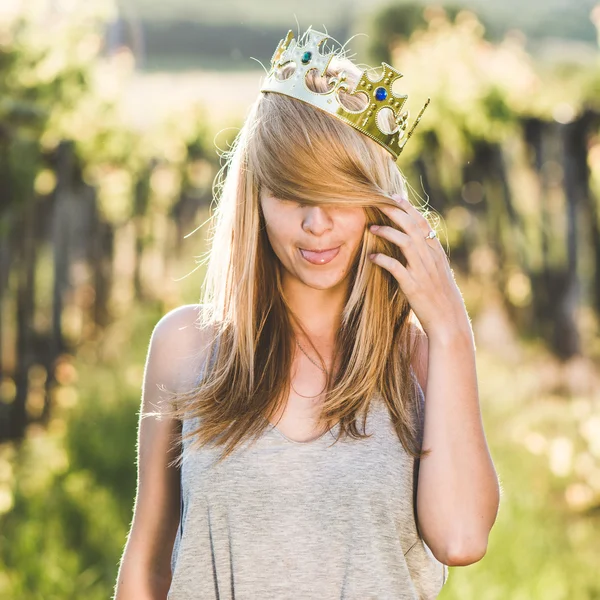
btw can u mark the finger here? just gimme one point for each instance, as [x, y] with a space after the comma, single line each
[421, 246]
[402, 240]
[404, 203]
[419, 218]
[397, 269]
[399, 216]
[434, 244]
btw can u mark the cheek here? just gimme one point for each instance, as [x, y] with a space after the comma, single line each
[354, 227]
[278, 231]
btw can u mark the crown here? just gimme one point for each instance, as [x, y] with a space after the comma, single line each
[307, 55]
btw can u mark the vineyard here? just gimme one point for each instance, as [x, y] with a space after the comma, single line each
[107, 180]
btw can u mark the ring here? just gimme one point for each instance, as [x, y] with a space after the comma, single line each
[432, 233]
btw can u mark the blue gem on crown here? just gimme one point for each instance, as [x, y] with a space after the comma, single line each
[380, 94]
[306, 57]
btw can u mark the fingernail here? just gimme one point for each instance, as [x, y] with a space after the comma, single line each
[374, 227]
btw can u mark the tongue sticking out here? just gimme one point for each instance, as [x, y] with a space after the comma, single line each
[319, 258]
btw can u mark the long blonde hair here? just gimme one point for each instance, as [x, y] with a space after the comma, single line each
[300, 153]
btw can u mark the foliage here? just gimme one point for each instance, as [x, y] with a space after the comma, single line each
[76, 481]
[396, 23]
[478, 90]
[543, 544]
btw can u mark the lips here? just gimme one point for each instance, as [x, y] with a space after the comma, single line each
[319, 257]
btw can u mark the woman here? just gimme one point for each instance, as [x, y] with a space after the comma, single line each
[286, 458]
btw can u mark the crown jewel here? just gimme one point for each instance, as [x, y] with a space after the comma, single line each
[307, 55]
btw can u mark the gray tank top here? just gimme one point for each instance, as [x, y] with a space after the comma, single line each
[281, 519]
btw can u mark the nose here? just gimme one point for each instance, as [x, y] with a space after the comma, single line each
[316, 220]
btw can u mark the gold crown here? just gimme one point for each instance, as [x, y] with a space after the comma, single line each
[307, 56]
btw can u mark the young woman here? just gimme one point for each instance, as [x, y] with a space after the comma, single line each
[293, 453]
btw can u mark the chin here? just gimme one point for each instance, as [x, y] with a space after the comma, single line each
[323, 281]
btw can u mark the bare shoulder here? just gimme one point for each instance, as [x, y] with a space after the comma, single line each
[178, 346]
[182, 320]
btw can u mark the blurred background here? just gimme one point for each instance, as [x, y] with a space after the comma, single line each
[112, 116]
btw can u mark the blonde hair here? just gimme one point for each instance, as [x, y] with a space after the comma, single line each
[301, 153]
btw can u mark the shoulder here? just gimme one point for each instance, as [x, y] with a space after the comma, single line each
[420, 356]
[178, 345]
[182, 318]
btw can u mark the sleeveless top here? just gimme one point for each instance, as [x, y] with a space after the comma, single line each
[280, 519]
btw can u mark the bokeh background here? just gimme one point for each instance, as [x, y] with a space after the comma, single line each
[112, 118]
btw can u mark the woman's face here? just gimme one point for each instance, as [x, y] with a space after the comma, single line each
[298, 231]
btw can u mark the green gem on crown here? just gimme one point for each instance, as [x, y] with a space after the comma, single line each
[306, 57]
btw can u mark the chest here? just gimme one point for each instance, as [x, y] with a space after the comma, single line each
[277, 474]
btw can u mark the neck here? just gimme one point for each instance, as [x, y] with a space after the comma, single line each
[319, 311]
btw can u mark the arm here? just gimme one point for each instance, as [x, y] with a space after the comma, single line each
[457, 488]
[145, 568]
[459, 469]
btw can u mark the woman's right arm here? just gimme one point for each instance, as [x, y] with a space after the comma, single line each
[172, 359]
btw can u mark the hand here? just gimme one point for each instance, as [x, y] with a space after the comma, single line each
[427, 280]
